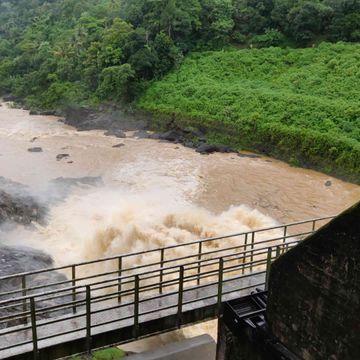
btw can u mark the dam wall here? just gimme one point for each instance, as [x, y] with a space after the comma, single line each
[313, 302]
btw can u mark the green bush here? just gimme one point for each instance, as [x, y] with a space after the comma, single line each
[296, 104]
[106, 354]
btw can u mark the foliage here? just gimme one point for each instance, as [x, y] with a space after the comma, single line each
[55, 51]
[302, 104]
[106, 354]
[271, 37]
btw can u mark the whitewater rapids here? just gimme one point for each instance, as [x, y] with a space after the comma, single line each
[154, 194]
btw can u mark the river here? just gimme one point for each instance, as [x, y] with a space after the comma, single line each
[152, 193]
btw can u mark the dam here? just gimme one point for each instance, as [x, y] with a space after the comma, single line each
[129, 303]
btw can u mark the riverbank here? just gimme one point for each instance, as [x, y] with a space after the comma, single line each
[297, 105]
[299, 148]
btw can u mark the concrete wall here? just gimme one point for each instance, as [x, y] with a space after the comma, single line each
[233, 346]
[198, 348]
[314, 292]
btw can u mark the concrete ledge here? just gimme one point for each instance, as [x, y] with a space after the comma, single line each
[200, 348]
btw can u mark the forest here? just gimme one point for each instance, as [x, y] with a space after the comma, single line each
[278, 76]
[57, 52]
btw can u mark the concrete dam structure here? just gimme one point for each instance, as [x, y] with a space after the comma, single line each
[312, 308]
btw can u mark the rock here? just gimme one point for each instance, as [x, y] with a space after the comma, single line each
[35, 149]
[33, 112]
[8, 98]
[328, 183]
[189, 144]
[172, 136]
[48, 113]
[154, 136]
[34, 139]
[225, 149]
[142, 134]
[118, 145]
[250, 156]
[20, 209]
[15, 260]
[62, 156]
[115, 132]
[205, 149]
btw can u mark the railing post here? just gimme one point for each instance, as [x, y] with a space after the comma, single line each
[278, 251]
[245, 253]
[136, 307]
[73, 277]
[313, 225]
[162, 256]
[268, 265]
[252, 249]
[34, 328]
[180, 296]
[199, 263]
[119, 280]
[23, 286]
[220, 285]
[285, 235]
[88, 319]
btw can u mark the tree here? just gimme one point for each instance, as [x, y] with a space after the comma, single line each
[217, 20]
[307, 20]
[252, 16]
[345, 24]
[114, 81]
[168, 54]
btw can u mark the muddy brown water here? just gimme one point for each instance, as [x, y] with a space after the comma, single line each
[214, 182]
[147, 185]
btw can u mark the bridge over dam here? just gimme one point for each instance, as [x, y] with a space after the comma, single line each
[131, 296]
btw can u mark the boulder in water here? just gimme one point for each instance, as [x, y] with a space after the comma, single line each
[21, 260]
[62, 156]
[115, 132]
[20, 209]
[206, 149]
[172, 136]
[35, 149]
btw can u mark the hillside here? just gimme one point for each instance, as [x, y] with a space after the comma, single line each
[70, 52]
[300, 105]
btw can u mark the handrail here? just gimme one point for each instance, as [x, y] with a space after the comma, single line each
[244, 266]
[115, 257]
[70, 288]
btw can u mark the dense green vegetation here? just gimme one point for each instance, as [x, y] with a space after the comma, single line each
[106, 354]
[302, 105]
[57, 52]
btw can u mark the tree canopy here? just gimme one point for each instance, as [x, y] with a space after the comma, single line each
[109, 49]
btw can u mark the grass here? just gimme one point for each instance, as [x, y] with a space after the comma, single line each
[106, 354]
[300, 105]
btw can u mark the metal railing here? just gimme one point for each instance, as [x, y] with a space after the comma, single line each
[216, 268]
